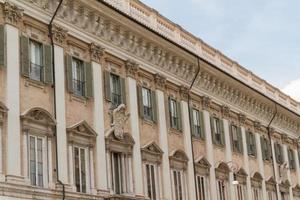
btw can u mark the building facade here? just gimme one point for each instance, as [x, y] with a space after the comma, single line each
[114, 101]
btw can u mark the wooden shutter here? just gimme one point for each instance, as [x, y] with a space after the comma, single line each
[231, 137]
[202, 125]
[254, 144]
[2, 47]
[140, 101]
[213, 131]
[240, 139]
[25, 62]
[262, 144]
[123, 90]
[179, 127]
[248, 142]
[168, 113]
[192, 121]
[222, 132]
[89, 93]
[69, 71]
[48, 66]
[153, 102]
[107, 90]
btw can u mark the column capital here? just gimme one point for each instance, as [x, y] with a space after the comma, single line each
[206, 103]
[225, 111]
[132, 68]
[97, 52]
[184, 92]
[59, 35]
[242, 118]
[257, 126]
[160, 81]
[12, 14]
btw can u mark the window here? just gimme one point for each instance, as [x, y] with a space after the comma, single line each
[217, 131]
[251, 143]
[221, 190]
[271, 195]
[236, 139]
[178, 185]
[278, 153]
[36, 161]
[36, 69]
[201, 188]
[175, 114]
[115, 89]
[291, 159]
[240, 192]
[265, 147]
[256, 194]
[120, 171]
[197, 129]
[80, 165]
[147, 103]
[78, 77]
[151, 181]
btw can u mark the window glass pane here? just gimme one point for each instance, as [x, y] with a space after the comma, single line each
[77, 169]
[147, 105]
[36, 68]
[78, 77]
[175, 185]
[148, 181]
[40, 161]
[115, 88]
[153, 183]
[83, 170]
[32, 161]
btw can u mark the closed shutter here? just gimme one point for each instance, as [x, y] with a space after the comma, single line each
[25, 63]
[248, 143]
[263, 152]
[240, 139]
[107, 90]
[213, 131]
[140, 101]
[231, 137]
[222, 132]
[168, 113]
[192, 121]
[153, 102]
[254, 144]
[69, 71]
[2, 47]
[179, 127]
[123, 90]
[48, 66]
[202, 125]
[88, 80]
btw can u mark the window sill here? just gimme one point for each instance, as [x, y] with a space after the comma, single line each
[253, 157]
[198, 139]
[34, 83]
[175, 131]
[219, 146]
[148, 122]
[236, 153]
[80, 99]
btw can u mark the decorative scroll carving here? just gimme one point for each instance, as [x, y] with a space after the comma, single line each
[242, 118]
[225, 111]
[96, 52]
[206, 102]
[59, 34]
[184, 92]
[160, 81]
[12, 14]
[257, 126]
[131, 68]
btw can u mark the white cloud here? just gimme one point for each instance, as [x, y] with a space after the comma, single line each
[293, 89]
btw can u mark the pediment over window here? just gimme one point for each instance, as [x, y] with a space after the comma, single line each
[284, 186]
[178, 160]
[296, 190]
[222, 171]
[38, 120]
[256, 180]
[151, 152]
[81, 133]
[241, 176]
[116, 144]
[3, 111]
[202, 166]
[271, 184]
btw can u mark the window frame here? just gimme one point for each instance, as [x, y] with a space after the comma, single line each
[33, 64]
[78, 82]
[179, 188]
[174, 121]
[203, 190]
[221, 194]
[252, 151]
[197, 129]
[235, 138]
[149, 108]
[115, 89]
[154, 191]
[86, 165]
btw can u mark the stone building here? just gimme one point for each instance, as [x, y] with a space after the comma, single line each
[114, 101]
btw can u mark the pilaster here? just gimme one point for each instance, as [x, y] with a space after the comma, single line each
[277, 179]
[286, 160]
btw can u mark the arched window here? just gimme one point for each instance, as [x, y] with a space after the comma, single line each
[222, 177]
[256, 184]
[202, 182]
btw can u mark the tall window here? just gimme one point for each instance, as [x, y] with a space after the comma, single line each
[221, 190]
[36, 161]
[178, 184]
[78, 77]
[151, 179]
[147, 103]
[196, 123]
[271, 195]
[240, 192]
[36, 69]
[278, 153]
[201, 187]
[175, 117]
[217, 131]
[120, 171]
[236, 139]
[256, 194]
[265, 147]
[80, 165]
[115, 89]
[291, 158]
[251, 143]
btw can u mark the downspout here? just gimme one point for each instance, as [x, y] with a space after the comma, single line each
[190, 121]
[54, 96]
[269, 136]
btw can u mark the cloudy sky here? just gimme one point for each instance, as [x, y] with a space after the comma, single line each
[261, 35]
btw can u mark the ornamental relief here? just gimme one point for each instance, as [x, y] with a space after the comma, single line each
[92, 21]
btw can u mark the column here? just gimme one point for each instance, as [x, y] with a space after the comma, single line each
[50, 163]
[163, 137]
[132, 69]
[297, 163]
[246, 163]
[261, 165]
[228, 157]
[101, 170]
[277, 178]
[13, 103]
[71, 164]
[210, 154]
[60, 114]
[188, 148]
[92, 173]
[286, 160]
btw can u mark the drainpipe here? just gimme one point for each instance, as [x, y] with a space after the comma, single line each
[54, 96]
[190, 121]
[269, 136]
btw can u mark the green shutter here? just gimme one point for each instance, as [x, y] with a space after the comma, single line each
[153, 102]
[231, 137]
[240, 139]
[262, 144]
[140, 101]
[2, 47]
[25, 63]
[89, 89]
[107, 90]
[48, 66]
[213, 131]
[254, 144]
[222, 132]
[192, 121]
[248, 142]
[168, 113]
[69, 73]
[276, 152]
[123, 90]
[179, 127]
[202, 125]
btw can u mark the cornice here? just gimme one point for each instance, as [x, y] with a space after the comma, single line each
[97, 52]
[132, 68]
[12, 14]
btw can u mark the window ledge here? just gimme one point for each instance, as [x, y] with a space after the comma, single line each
[34, 83]
[198, 139]
[252, 157]
[147, 121]
[175, 131]
[236, 153]
[80, 99]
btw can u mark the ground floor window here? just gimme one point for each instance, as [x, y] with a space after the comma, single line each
[201, 187]
[151, 181]
[256, 194]
[178, 184]
[222, 193]
[120, 172]
[36, 164]
[271, 195]
[240, 192]
[81, 169]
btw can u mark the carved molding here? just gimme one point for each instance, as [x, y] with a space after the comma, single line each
[257, 126]
[225, 111]
[184, 93]
[97, 52]
[12, 14]
[132, 68]
[242, 118]
[82, 133]
[59, 35]
[152, 153]
[160, 81]
[206, 103]
[178, 160]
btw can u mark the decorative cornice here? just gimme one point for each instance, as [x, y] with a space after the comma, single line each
[184, 92]
[12, 14]
[225, 111]
[59, 34]
[97, 52]
[242, 118]
[206, 102]
[257, 126]
[160, 81]
[132, 68]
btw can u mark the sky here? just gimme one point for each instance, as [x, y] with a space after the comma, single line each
[261, 35]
